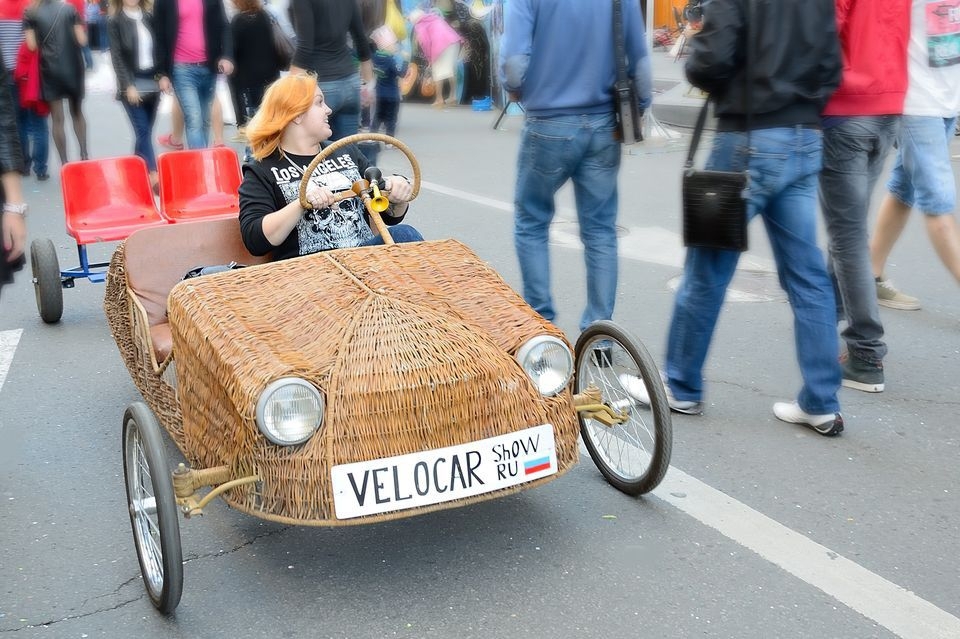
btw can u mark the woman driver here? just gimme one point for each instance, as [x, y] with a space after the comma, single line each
[285, 135]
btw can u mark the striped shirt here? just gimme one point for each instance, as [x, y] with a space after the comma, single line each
[11, 35]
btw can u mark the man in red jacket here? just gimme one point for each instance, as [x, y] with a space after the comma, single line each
[31, 123]
[860, 124]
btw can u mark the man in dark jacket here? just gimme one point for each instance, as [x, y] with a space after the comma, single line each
[794, 67]
[192, 45]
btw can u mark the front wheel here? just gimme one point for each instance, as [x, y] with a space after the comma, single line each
[152, 507]
[634, 455]
[46, 280]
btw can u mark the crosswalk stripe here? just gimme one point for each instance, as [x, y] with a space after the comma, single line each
[8, 344]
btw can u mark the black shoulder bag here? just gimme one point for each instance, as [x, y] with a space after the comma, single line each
[625, 89]
[715, 202]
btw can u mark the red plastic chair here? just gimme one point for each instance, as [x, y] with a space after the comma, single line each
[107, 199]
[199, 183]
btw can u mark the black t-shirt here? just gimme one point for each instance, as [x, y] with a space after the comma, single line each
[322, 28]
[274, 182]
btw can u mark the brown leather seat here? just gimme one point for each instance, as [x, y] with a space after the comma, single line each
[156, 259]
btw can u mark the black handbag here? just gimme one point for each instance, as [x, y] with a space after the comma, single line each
[282, 44]
[715, 203]
[629, 130]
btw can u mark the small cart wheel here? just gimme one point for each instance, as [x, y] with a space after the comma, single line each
[632, 456]
[152, 507]
[46, 280]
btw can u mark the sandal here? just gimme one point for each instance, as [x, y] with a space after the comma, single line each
[167, 141]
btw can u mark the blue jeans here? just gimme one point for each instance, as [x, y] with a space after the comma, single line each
[399, 232]
[784, 163]
[194, 85]
[142, 118]
[922, 175]
[343, 98]
[553, 150]
[34, 135]
[854, 152]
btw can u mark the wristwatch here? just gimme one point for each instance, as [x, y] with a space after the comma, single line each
[18, 209]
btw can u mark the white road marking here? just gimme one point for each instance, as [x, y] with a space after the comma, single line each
[893, 607]
[8, 344]
[651, 244]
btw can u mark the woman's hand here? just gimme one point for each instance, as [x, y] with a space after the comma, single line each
[133, 96]
[398, 189]
[165, 85]
[320, 197]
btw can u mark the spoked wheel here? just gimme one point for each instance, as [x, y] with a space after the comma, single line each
[46, 280]
[632, 456]
[153, 507]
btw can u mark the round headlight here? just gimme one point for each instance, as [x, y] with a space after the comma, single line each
[289, 411]
[548, 363]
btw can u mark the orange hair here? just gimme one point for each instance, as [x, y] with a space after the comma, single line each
[248, 6]
[284, 100]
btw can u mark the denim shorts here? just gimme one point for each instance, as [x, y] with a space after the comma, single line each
[922, 176]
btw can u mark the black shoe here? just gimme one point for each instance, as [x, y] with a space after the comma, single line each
[25, 172]
[861, 375]
[43, 177]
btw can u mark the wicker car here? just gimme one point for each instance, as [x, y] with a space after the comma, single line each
[355, 386]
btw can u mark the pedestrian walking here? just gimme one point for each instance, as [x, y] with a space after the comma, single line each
[922, 176]
[132, 35]
[13, 228]
[257, 63]
[389, 66]
[795, 43]
[193, 44]
[440, 44]
[550, 59]
[57, 31]
[860, 125]
[31, 124]
[322, 28]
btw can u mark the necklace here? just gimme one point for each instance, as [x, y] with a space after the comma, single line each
[286, 156]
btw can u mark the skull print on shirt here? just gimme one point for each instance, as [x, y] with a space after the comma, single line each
[342, 225]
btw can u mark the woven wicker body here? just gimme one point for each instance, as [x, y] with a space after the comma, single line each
[411, 345]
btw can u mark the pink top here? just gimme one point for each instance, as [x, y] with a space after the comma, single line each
[191, 46]
[434, 35]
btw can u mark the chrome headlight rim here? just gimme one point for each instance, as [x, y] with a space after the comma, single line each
[530, 347]
[263, 403]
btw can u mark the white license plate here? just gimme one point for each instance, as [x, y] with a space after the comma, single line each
[443, 474]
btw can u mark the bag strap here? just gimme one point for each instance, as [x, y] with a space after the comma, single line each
[619, 47]
[748, 76]
[53, 26]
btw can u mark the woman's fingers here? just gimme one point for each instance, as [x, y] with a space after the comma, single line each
[320, 197]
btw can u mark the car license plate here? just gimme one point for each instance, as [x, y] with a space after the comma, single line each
[443, 474]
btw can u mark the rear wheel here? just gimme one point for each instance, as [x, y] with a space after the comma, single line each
[632, 456]
[46, 280]
[152, 507]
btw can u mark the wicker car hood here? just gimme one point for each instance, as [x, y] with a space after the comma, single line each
[385, 332]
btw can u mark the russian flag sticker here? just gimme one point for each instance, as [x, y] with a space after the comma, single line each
[536, 465]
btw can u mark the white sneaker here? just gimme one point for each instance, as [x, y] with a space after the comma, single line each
[829, 425]
[636, 389]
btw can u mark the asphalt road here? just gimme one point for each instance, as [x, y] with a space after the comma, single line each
[761, 529]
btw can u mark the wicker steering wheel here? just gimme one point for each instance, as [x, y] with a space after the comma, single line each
[361, 188]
